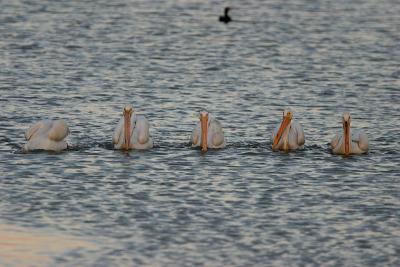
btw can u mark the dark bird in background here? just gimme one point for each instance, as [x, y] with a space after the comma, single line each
[225, 18]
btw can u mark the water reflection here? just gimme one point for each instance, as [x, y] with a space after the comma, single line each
[27, 247]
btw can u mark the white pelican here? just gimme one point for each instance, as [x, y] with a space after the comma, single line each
[349, 142]
[288, 135]
[47, 135]
[208, 133]
[132, 132]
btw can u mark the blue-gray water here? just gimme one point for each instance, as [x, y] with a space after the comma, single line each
[172, 206]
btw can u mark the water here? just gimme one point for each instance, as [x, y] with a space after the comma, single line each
[173, 206]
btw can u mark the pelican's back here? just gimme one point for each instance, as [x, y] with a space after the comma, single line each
[47, 135]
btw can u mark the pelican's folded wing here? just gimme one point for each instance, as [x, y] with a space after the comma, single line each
[33, 129]
[362, 139]
[218, 134]
[143, 129]
[335, 141]
[300, 133]
[117, 132]
[195, 136]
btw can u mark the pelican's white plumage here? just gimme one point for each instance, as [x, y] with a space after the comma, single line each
[47, 135]
[132, 131]
[208, 133]
[349, 142]
[289, 134]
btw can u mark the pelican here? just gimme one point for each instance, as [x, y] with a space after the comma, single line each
[225, 18]
[132, 131]
[288, 135]
[208, 133]
[47, 135]
[349, 142]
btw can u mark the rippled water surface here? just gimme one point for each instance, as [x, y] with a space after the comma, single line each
[173, 206]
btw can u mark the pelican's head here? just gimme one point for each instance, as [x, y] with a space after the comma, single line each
[287, 118]
[203, 115]
[128, 109]
[346, 132]
[127, 112]
[287, 113]
[226, 10]
[346, 118]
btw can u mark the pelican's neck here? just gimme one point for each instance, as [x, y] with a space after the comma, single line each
[127, 130]
[204, 133]
[226, 12]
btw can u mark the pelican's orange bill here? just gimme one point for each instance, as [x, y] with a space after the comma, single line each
[127, 127]
[346, 127]
[284, 124]
[204, 130]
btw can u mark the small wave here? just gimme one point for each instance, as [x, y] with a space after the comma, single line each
[248, 144]
[213, 68]
[13, 19]
[9, 142]
[73, 46]
[249, 21]
[28, 46]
